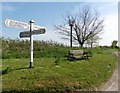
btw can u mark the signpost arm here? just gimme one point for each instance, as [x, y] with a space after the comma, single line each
[31, 43]
[33, 30]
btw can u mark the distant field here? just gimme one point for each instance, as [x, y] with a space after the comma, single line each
[58, 74]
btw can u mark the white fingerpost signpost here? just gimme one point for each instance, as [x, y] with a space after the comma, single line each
[31, 42]
[33, 30]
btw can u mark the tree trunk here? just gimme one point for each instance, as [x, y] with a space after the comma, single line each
[81, 46]
[91, 45]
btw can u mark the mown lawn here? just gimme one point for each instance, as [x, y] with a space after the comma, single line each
[53, 74]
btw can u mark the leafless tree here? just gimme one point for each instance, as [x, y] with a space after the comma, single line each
[93, 40]
[87, 23]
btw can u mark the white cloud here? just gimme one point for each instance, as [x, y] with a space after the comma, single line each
[110, 29]
[111, 21]
[107, 6]
[8, 8]
[50, 35]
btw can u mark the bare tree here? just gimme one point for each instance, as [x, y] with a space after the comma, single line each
[93, 40]
[87, 23]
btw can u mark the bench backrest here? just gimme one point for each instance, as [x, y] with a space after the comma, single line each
[76, 52]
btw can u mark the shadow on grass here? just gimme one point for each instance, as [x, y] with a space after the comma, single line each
[22, 68]
[9, 69]
[76, 59]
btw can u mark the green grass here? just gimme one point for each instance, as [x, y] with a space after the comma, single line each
[53, 74]
[52, 71]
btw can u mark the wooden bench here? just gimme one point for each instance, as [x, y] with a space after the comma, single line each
[77, 54]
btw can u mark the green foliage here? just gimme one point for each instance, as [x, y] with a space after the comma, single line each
[114, 44]
[16, 48]
[90, 52]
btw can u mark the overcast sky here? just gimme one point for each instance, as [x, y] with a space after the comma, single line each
[49, 13]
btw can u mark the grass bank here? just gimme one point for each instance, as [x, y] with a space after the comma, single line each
[53, 74]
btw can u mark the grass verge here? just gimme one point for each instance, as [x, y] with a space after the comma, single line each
[51, 74]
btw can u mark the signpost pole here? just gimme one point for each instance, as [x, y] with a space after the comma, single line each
[31, 43]
[34, 30]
